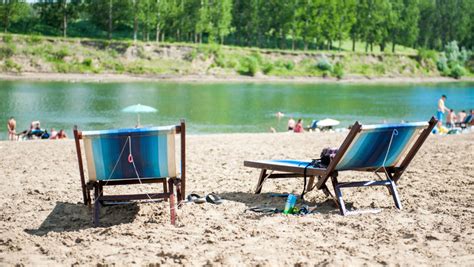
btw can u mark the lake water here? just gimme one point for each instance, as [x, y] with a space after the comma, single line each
[218, 108]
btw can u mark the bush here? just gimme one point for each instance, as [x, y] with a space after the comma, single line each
[427, 55]
[452, 60]
[119, 67]
[7, 51]
[7, 38]
[87, 62]
[62, 67]
[379, 68]
[324, 64]
[442, 63]
[10, 65]
[61, 53]
[289, 65]
[338, 70]
[248, 66]
[267, 68]
[457, 72]
[34, 39]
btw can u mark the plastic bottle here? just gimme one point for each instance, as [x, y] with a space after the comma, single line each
[290, 204]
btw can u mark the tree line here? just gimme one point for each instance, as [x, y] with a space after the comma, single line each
[283, 24]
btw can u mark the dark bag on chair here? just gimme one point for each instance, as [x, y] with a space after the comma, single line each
[327, 155]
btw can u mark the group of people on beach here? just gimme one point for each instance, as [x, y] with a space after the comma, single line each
[34, 132]
[462, 119]
[294, 126]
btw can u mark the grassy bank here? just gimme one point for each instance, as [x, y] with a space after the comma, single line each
[34, 54]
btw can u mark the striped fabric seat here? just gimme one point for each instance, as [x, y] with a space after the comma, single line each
[110, 154]
[380, 145]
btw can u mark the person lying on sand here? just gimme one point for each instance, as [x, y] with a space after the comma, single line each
[461, 116]
[61, 134]
[299, 127]
[54, 134]
[291, 124]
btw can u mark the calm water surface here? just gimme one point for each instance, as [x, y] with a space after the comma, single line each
[216, 108]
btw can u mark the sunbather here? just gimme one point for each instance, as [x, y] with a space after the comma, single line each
[299, 127]
[461, 116]
[291, 124]
[451, 118]
[61, 134]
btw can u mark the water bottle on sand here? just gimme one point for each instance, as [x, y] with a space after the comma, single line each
[290, 204]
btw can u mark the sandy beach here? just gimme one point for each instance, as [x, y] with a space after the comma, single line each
[99, 78]
[42, 220]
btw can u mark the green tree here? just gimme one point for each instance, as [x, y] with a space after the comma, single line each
[59, 13]
[408, 32]
[372, 19]
[11, 11]
[107, 14]
[221, 18]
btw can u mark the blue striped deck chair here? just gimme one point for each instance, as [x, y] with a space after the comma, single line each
[384, 149]
[131, 156]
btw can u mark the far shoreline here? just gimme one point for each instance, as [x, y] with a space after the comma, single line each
[112, 78]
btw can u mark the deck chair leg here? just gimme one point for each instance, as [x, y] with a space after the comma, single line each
[165, 188]
[395, 196]
[310, 184]
[179, 193]
[261, 179]
[172, 201]
[328, 193]
[96, 206]
[338, 192]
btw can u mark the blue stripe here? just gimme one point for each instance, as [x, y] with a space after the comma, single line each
[149, 150]
[371, 147]
[163, 155]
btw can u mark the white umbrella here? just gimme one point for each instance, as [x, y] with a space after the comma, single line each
[139, 109]
[327, 123]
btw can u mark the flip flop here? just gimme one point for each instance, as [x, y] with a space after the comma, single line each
[214, 199]
[196, 198]
[264, 210]
[278, 195]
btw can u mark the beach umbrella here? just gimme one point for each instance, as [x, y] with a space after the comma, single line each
[139, 109]
[327, 123]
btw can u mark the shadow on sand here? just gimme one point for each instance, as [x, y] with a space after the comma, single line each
[271, 201]
[67, 217]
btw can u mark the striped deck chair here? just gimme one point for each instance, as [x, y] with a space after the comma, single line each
[384, 148]
[131, 156]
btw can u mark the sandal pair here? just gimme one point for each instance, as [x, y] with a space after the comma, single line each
[211, 198]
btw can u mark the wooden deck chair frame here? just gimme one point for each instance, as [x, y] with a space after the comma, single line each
[168, 184]
[393, 174]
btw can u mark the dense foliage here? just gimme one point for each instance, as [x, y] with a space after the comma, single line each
[284, 24]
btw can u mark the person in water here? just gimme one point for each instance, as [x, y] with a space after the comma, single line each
[11, 125]
[291, 124]
[299, 126]
[441, 108]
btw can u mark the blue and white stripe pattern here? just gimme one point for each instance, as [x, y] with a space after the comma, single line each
[152, 151]
[380, 146]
